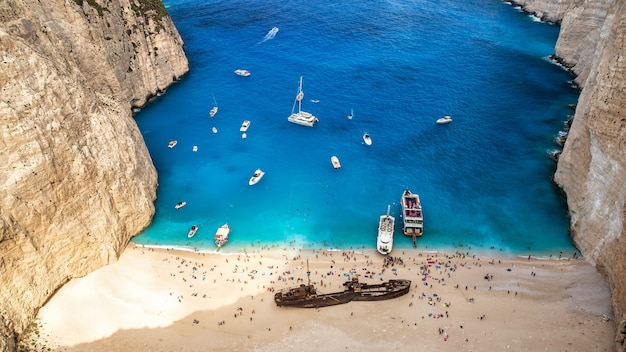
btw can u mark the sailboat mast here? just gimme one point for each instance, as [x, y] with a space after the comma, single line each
[308, 272]
[300, 95]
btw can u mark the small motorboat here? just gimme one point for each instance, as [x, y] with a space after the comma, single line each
[241, 72]
[256, 177]
[192, 231]
[180, 205]
[244, 126]
[195, 148]
[351, 114]
[214, 129]
[335, 161]
[213, 111]
[367, 139]
[445, 119]
[172, 144]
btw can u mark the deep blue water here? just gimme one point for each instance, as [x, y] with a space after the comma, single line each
[484, 179]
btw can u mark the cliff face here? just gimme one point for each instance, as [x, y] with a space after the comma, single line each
[76, 179]
[592, 168]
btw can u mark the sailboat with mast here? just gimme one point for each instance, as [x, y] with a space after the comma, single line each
[213, 110]
[301, 117]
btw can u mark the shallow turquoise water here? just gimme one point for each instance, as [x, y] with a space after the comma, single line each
[484, 179]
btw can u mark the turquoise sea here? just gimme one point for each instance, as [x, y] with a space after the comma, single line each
[484, 179]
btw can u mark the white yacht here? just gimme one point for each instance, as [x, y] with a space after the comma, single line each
[386, 226]
[192, 231]
[180, 205]
[213, 110]
[301, 117]
[367, 139]
[241, 72]
[244, 126]
[445, 119]
[256, 177]
[335, 161]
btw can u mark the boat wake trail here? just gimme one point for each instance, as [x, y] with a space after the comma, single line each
[270, 35]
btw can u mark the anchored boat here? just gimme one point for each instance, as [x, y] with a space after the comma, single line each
[192, 231]
[384, 241]
[256, 177]
[335, 161]
[221, 236]
[301, 117]
[412, 215]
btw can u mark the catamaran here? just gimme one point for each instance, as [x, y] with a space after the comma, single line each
[301, 117]
[412, 214]
[384, 241]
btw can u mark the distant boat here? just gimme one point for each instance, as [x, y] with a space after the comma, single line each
[256, 177]
[213, 110]
[214, 129]
[172, 144]
[351, 114]
[180, 205]
[244, 73]
[244, 126]
[195, 148]
[301, 117]
[335, 161]
[221, 236]
[244, 136]
[445, 119]
[367, 139]
[386, 225]
[412, 214]
[192, 231]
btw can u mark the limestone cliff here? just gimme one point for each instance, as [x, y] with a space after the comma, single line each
[76, 179]
[592, 168]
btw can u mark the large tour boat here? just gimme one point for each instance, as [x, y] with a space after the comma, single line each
[412, 214]
[221, 235]
[384, 241]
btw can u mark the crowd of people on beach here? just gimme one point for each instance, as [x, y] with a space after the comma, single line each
[429, 271]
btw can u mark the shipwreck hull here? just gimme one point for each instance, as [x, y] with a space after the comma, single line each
[307, 297]
[315, 302]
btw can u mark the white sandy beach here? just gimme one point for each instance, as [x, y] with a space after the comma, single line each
[166, 300]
